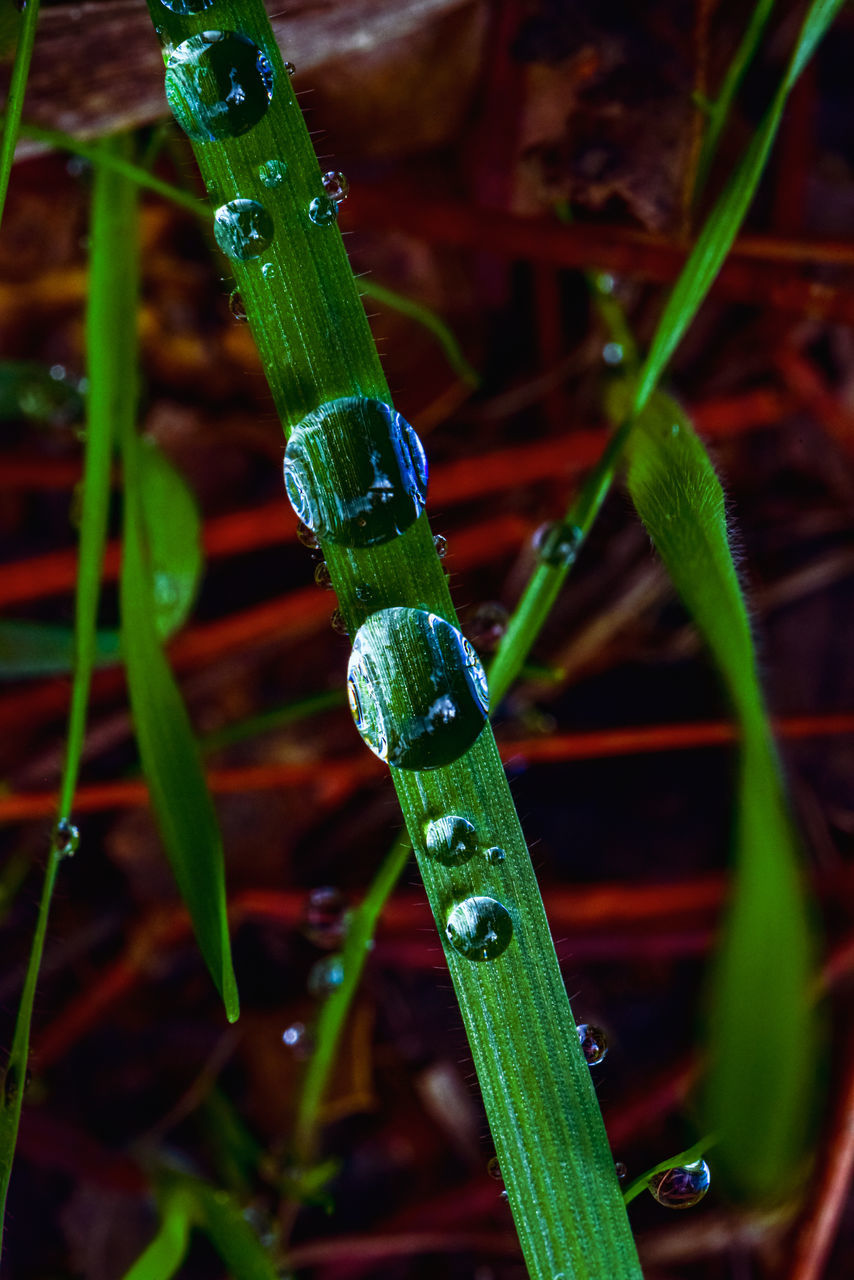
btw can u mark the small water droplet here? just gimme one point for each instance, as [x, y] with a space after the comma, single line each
[605, 283]
[488, 625]
[323, 577]
[495, 855]
[237, 307]
[365, 593]
[307, 536]
[65, 838]
[335, 186]
[355, 472]
[612, 353]
[243, 229]
[272, 173]
[494, 1169]
[505, 1196]
[339, 623]
[325, 976]
[674, 429]
[621, 1170]
[322, 211]
[187, 7]
[682, 1187]
[290, 68]
[558, 543]
[299, 1040]
[268, 271]
[593, 1041]
[440, 542]
[219, 85]
[479, 928]
[324, 920]
[417, 690]
[451, 840]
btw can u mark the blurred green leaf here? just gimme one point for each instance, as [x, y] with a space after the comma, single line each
[168, 1249]
[39, 649]
[31, 390]
[225, 1225]
[762, 1037]
[173, 531]
[24, 35]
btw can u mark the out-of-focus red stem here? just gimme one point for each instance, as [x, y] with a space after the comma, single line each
[808, 387]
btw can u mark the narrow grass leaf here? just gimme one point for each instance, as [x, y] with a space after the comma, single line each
[173, 529]
[15, 100]
[168, 1249]
[223, 1222]
[29, 649]
[761, 1033]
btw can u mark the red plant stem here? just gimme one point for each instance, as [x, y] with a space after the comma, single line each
[809, 389]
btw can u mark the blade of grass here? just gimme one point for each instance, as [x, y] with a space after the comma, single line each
[762, 1032]
[223, 1222]
[169, 1247]
[110, 297]
[15, 100]
[173, 530]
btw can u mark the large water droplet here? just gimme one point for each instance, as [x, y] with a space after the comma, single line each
[681, 1188]
[219, 85]
[355, 472]
[479, 928]
[65, 838]
[325, 976]
[558, 543]
[451, 840]
[323, 211]
[187, 7]
[417, 690]
[273, 173]
[593, 1041]
[335, 186]
[243, 229]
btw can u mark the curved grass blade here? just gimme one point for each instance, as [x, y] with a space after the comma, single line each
[428, 320]
[169, 1247]
[15, 101]
[173, 530]
[112, 295]
[762, 1035]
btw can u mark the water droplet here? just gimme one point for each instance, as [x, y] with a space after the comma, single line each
[243, 229]
[355, 472]
[272, 173]
[479, 928]
[65, 838]
[325, 975]
[494, 1169]
[495, 855]
[451, 840]
[612, 353]
[187, 7]
[440, 542]
[417, 690]
[268, 271]
[681, 1188]
[335, 186]
[322, 211]
[299, 1040]
[593, 1041]
[237, 307]
[364, 593]
[558, 543]
[488, 625]
[307, 536]
[605, 283]
[290, 68]
[621, 1170]
[339, 623]
[218, 84]
[323, 577]
[324, 920]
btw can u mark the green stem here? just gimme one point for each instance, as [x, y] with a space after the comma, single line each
[15, 100]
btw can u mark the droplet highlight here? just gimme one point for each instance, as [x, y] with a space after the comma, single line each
[593, 1041]
[243, 229]
[323, 211]
[682, 1187]
[335, 186]
[451, 840]
[187, 7]
[479, 928]
[218, 84]
[65, 838]
[299, 1040]
[355, 472]
[417, 691]
[558, 543]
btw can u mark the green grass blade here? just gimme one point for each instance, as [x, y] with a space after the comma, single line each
[15, 101]
[762, 1035]
[428, 320]
[223, 1222]
[111, 294]
[173, 531]
[169, 1247]
[30, 649]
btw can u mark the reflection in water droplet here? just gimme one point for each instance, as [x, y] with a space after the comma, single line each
[339, 623]
[681, 1188]
[558, 543]
[451, 840]
[494, 1169]
[272, 173]
[325, 976]
[307, 536]
[237, 307]
[495, 855]
[187, 7]
[323, 577]
[299, 1040]
[322, 211]
[488, 625]
[335, 186]
[593, 1041]
[416, 687]
[324, 920]
[479, 928]
[355, 472]
[219, 85]
[440, 542]
[243, 229]
[65, 838]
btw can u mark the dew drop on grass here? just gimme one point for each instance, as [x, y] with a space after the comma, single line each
[324, 919]
[339, 623]
[416, 687]
[355, 472]
[219, 85]
[558, 543]
[479, 928]
[299, 1040]
[440, 542]
[495, 855]
[451, 840]
[681, 1188]
[593, 1041]
[290, 68]
[187, 7]
[272, 173]
[488, 625]
[325, 976]
[494, 1169]
[307, 536]
[612, 353]
[268, 271]
[237, 307]
[323, 577]
[621, 1170]
[335, 185]
[322, 211]
[243, 229]
[65, 838]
